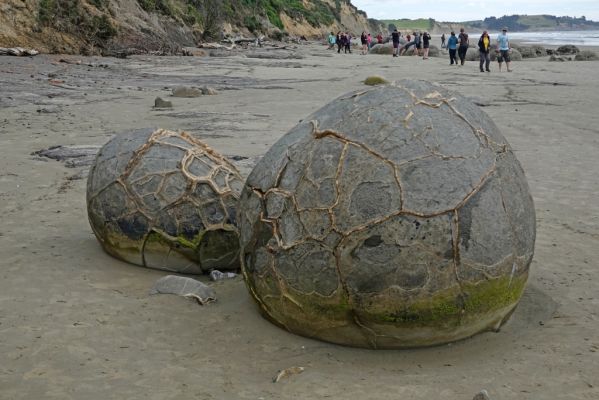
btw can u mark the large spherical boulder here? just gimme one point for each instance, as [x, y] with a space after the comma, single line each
[567, 49]
[433, 51]
[165, 200]
[586, 55]
[472, 54]
[386, 49]
[395, 216]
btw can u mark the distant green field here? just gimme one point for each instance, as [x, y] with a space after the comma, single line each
[536, 21]
[421, 23]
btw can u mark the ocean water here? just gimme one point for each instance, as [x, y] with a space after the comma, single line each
[578, 38]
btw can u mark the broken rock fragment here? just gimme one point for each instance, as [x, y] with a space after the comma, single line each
[185, 287]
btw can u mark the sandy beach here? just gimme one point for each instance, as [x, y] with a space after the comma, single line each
[76, 323]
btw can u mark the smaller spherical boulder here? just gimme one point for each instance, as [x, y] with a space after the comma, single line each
[526, 51]
[165, 200]
[567, 49]
[472, 54]
[433, 51]
[586, 55]
[386, 49]
[514, 55]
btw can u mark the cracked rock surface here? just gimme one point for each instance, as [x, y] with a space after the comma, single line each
[396, 216]
[165, 200]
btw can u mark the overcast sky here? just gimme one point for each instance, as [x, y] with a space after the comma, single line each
[444, 10]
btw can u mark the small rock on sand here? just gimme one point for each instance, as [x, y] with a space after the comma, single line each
[482, 395]
[208, 91]
[159, 103]
[287, 372]
[193, 51]
[216, 275]
[186, 287]
[184, 91]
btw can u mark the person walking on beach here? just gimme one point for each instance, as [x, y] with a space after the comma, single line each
[484, 50]
[503, 48]
[395, 39]
[443, 41]
[452, 46]
[417, 43]
[463, 47]
[339, 41]
[364, 42]
[332, 40]
[426, 38]
[369, 41]
[409, 44]
[348, 42]
[343, 40]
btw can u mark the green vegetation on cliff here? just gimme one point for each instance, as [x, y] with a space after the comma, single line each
[71, 16]
[320, 13]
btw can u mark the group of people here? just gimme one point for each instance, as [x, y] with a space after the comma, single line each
[461, 43]
[343, 41]
[421, 43]
[456, 45]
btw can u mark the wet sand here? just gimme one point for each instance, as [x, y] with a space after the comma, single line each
[78, 324]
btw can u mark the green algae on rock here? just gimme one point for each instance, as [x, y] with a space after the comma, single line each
[165, 200]
[395, 216]
[375, 80]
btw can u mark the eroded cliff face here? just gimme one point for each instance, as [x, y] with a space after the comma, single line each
[356, 21]
[349, 19]
[87, 26]
[17, 22]
[102, 26]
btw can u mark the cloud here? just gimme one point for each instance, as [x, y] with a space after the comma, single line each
[444, 10]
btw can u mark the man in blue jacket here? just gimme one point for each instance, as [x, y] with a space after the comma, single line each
[503, 48]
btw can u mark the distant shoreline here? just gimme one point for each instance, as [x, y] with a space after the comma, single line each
[583, 39]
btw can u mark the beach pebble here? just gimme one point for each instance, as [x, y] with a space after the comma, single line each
[186, 287]
[208, 91]
[159, 103]
[482, 395]
[184, 91]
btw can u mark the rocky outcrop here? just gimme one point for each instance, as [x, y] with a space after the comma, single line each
[121, 27]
